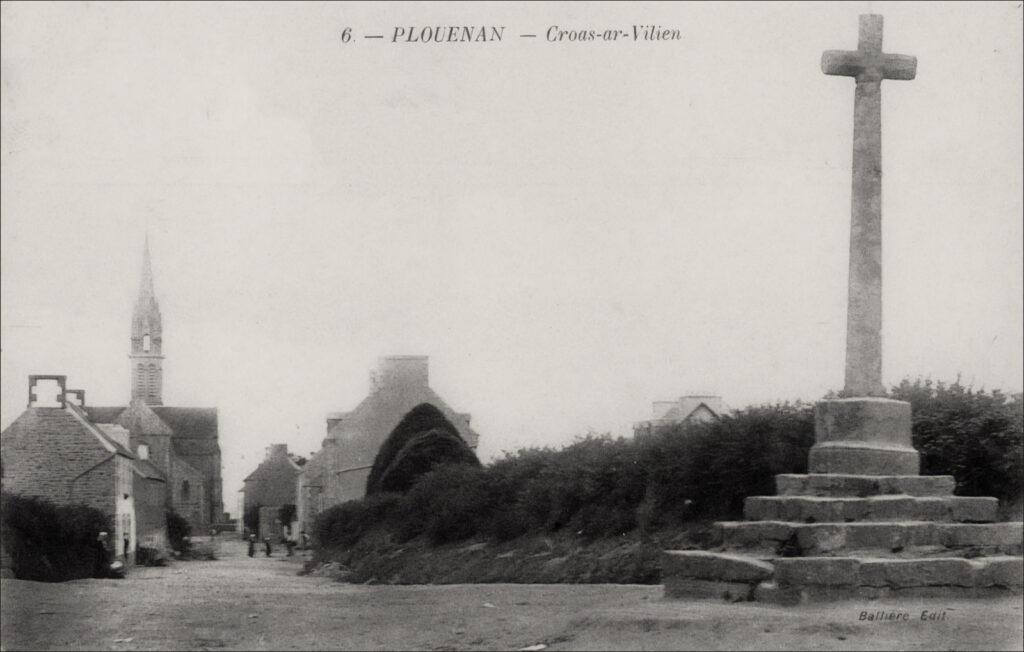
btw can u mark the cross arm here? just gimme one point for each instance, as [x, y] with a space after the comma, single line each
[862, 65]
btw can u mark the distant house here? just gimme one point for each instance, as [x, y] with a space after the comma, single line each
[272, 486]
[684, 410]
[54, 450]
[339, 470]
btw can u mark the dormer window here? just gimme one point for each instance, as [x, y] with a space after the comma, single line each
[146, 343]
[143, 451]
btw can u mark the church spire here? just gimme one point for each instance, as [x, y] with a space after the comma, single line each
[146, 284]
[147, 339]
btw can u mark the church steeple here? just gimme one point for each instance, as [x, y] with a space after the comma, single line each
[147, 340]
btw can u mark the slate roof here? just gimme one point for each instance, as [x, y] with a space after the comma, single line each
[370, 423]
[189, 422]
[146, 469]
[63, 422]
[103, 414]
[100, 433]
[194, 430]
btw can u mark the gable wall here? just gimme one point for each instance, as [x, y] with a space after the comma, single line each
[45, 449]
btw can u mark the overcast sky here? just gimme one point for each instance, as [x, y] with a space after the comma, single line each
[570, 231]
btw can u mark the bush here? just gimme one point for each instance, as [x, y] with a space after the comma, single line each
[602, 487]
[973, 435]
[422, 418]
[345, 524]
[178, 531]
[451, 503]
[591, 487]
[50, 543]
[422, 453]
[707, 470]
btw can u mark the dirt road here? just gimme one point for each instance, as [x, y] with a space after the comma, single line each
[260, 603]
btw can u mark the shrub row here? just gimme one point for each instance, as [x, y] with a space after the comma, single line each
[50, 543]
[602, 487]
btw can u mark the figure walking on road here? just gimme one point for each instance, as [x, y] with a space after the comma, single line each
[266, 543]
[252, 545]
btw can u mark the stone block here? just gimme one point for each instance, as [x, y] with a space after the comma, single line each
[1001, 571]
[753, 533]
[699, 564]
[890, 508]
[866, 436]
[1000, 535]
[850, 457]
[934, 508]
[772, 593]
[972, 509]
[877, 536]
[862, 486]
[868, 420]
[903, 573]
[680, 587]
[829, 571]
[823, 538]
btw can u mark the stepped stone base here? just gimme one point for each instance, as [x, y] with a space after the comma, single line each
[834, 537]
[861, 524]
[699, 574]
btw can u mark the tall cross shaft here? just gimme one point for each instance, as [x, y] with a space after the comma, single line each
[869, 66]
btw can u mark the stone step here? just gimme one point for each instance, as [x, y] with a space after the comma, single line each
[789, 539]
[816, 509]
[701, 574]
[860, 486]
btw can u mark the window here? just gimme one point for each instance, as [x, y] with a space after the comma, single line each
[143, 451]
[146, 343]
[185, 492]
[151, 381]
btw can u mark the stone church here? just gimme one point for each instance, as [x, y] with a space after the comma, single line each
[182, 442]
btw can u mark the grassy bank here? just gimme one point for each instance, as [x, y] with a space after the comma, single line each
[534, 559]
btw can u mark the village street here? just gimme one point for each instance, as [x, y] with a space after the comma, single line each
[261, 603]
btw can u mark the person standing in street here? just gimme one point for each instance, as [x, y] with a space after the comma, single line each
[252, 545]
[102, 565]
[266, 543]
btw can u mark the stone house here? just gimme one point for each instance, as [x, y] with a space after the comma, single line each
[273, 485]
[692, 409]
[339, 470]
[55, 451]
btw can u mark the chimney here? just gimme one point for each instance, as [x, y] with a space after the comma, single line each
[57, 396]
[399, 371]
[277, 449]
[75, 397]
[334, 418]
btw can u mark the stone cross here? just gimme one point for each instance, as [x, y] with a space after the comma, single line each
[869, 66]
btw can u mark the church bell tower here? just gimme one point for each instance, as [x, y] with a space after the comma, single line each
[147, 337]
